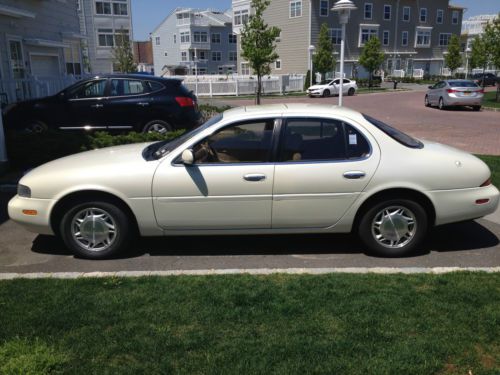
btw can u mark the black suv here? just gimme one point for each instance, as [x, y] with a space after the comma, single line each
[110, 102]
[489, 79]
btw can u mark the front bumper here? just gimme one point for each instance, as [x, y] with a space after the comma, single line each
[39, 223]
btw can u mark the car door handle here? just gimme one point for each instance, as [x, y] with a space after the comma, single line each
[354, 175]
[97, 105]
[254, 177]
[143, 104]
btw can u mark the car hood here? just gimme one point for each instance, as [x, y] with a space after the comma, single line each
[317, 87]
[110, 168]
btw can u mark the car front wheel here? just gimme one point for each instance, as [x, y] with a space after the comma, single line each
[427, 103]
[351, 91]
[393, 228]
[326, 93]
[96, 230]
[441, 104]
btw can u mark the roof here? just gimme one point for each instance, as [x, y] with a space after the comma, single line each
[137, 76]
[457, 7]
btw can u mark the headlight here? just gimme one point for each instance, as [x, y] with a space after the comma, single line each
[23, 191]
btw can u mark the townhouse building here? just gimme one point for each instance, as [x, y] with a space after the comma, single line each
[475, 26]
[414, 33]
[190, 41]
[103, 22]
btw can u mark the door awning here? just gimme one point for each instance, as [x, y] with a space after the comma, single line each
[45, 43]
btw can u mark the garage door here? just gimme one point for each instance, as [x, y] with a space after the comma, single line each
[44, 66]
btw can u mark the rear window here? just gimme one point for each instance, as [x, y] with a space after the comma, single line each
[462, 84]
[395, 134]
[155, 86]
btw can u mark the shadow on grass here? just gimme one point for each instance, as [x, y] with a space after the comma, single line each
[454, 237]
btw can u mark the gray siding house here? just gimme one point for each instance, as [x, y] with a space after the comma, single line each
[414, 34]
[190, 39]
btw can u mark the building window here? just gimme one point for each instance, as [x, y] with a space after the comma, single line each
[406, 14]
[444, 39]
[216, 56]
[404, 39]
[184, 56]
[439, 16]
[277, 64]
[423, 15]
[295, 8]
[185, 37]
[387, 12]
[245, 69]
[367, 32]
[157, 40]
[324, 6]
[454, 17]
[385, 38]
[102, 8]
[175, 38]
[200, 37]
[105, 37]
[120, 36]
[215, 37]
[368, 11]
[183, 18]
[232, 56]
[335, 36]
[16, 59]
[120, 9]
[240, 17]
[78, 5]
[232, 38]
[423, 38]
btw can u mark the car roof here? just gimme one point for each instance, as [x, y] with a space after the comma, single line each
[291, 108]
[136, 76]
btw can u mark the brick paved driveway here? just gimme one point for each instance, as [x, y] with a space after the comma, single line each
[476, 132]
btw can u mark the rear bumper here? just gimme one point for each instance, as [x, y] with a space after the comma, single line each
[473, 101]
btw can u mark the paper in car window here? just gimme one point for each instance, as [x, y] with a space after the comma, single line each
[353, 139]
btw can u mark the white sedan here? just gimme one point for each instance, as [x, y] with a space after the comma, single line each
[271, 169]
[349, 87]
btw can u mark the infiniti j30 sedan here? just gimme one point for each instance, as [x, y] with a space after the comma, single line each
[272, 169]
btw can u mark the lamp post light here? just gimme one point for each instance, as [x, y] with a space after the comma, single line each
[343, 7]
[467, 51]
[311, 49]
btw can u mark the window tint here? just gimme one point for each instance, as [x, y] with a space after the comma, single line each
[120, 87]
[397, 135]
[462, 84]
[240, 143]
[154, 86]
[90, 89]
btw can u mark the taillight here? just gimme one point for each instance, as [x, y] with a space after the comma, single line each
[486, 183]
[184, 101]
[451, 91]
[481, 91]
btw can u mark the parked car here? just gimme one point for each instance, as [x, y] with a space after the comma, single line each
[274, 169]
[489, 79]
[333, 88]
[456, 92]
[109, 102]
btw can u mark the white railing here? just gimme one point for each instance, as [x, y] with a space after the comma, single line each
[398, 73]
[446, 72]
[418, 73]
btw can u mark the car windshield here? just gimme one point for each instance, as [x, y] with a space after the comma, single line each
[462, 84]
[162, 148]
[395, 134]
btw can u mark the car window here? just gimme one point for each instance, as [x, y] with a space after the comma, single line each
[122, 87]
[395, 134]
[347, 81]
[245, 142]
[154, 86]
[462, 84]
[89, 89]
[337, 81]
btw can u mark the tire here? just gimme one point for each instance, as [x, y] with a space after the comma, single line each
[476, 108]
[377, 227]
[351, 91]
[426, 101]
[157, 126]
[35, 126]
[88, 216]
[326, 93]
[441, 104]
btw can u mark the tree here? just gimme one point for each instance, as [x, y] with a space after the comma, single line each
[478, 56]
[258, 43]
[323, 60]
[371, 57]
[453, 59]
[122, 53]
[486, 47]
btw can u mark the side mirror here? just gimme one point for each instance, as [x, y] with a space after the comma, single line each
[187, 157]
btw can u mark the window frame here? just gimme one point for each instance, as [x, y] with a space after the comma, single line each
[321, 2]
[217, 40]
[370, 34]
[409, 14]
[338, 36]
[365, 10]
[455, 20]
[389, 6]
[420, 15]
[146, 87]
[426, 30]
[439, 13]
[297, 9]
[384, 32]
[442, 39]
[403, 44]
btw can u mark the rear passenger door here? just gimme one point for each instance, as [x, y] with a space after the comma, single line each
[323, 165]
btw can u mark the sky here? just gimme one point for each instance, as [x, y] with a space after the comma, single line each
[147, 14]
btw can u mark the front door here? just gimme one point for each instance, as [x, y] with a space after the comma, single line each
[229, 186]
[323, 166]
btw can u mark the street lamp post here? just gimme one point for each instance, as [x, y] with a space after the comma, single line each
[311, 49]
[467, 51]
[343, 7]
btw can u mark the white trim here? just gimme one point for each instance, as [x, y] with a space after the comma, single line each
[390, 12]
[16, 12]
[388, 37]
[327, 8]
[366, 26]
[409, 14]
[364, 11]
[425, 29]
[16, 38]
[276, 66]
[442, 16]
[458, 17]
[407, 38]
[420, 15]
[45, 43]
[290, 9]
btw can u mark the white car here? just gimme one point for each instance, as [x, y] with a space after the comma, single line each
[271, 169]
[333, 88]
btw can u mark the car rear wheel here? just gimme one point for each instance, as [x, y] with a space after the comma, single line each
[476, 108]
[351, 91]
[96, 230]
[326, 93]
[157, 126]
[441, 104]
[393, 228]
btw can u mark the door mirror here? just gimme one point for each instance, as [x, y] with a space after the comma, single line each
[187, 157]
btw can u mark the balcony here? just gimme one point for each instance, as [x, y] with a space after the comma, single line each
[196, 45]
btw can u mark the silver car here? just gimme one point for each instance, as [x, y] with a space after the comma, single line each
[457, 92]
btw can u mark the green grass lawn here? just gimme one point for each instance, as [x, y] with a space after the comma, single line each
[490, 100]
[279, 324]
[494, 164]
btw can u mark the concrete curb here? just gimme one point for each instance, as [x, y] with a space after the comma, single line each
[490, 109]
[254, 271]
